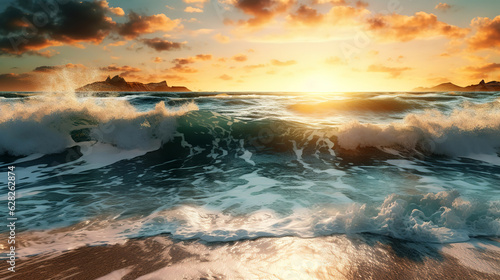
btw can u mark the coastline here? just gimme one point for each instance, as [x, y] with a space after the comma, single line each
[359, 256]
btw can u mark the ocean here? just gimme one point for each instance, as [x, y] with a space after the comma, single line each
[252, 185]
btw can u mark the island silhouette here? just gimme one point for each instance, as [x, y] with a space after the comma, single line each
[118, 83]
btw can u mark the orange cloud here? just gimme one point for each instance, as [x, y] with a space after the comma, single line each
[261, 11]
[183, 69]
[283, 63]
[307, 15]
[487, 35]
[240, 58]
[394, 72]
[138, 25]
[401, 28]
[226, 77]
[203, 56]
[17, 82]
[180, 63]
[337, 15]
[443, 7]
[334, 60]
[221, 38]
[193, 10]
[482, 71]
[189, 60]
[117, 11]
[255, 66]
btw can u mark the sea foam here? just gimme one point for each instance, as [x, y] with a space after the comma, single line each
[471, 129]
[43, 124]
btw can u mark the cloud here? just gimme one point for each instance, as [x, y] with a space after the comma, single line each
[335, 60]
[221, 38]
[175, 77]
[338, 15]
[181, 63]
[117, 11]
[198, 32]
[114, 68]
[124, 70]
[255, 66]
[307, 15]
[72, 23]
[49, 69]
[482, 71]
[240, 58]
[183, 69]
[157, 60]
[115, 44]
[161, 45]
[442, 7]
[401, 28]
[195, 1]
[17, 82]
[487, 35]
[189, 60]
[139, 24]
[283, 63]
[193, 10]
[203, 56]
[394, 72]
[226, 77]
[261, 11]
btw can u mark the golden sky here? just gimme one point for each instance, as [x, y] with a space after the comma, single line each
[249, 45]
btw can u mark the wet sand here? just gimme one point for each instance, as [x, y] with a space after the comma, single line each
[333, 257]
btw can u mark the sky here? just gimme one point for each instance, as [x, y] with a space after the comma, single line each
[249, 45]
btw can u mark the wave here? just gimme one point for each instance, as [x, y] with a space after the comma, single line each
[46, 124]
[442, 217]
[53, 123]
[470, 129]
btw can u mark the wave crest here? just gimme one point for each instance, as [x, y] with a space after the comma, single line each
[46, 124]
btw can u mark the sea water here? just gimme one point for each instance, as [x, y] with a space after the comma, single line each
[213, 168]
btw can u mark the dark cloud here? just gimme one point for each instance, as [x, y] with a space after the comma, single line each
[49, 69]
[46, 69]
[29, 26]
[161, 44]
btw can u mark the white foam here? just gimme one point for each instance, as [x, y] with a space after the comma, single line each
[43, 125]
[473, 129]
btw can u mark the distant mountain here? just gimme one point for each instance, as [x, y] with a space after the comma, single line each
[482, 86]
[118, 83]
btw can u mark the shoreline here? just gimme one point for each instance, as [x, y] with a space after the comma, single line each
[360, 256]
